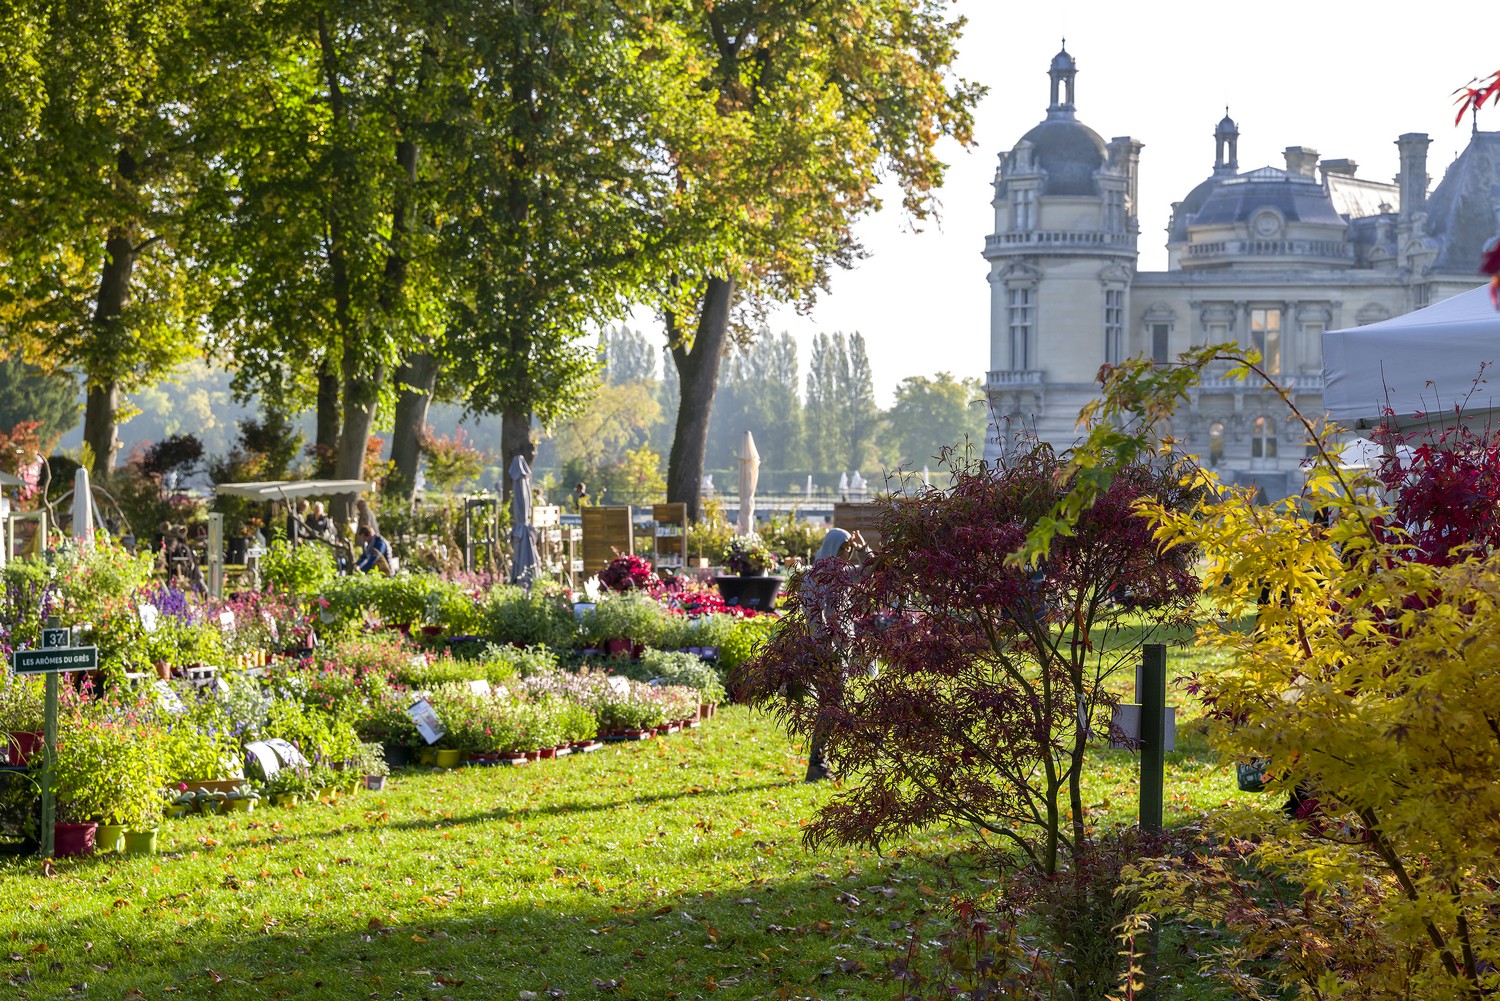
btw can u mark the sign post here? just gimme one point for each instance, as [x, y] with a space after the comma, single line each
[56, 655]
[1153, 696]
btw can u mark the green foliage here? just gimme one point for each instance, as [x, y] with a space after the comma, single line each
[303, 571]
[684, 669]
[28, 393]
[742, 639]
[21, 704]
[534, 618]
[629, 615]
[322, 739]
[792, 536]
[930, 415]
[109, 769]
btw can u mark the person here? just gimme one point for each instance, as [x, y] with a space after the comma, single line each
[376, 553]
[296, 520]
[827, 609]
[365, 518]
[580, 496]
[317, 522]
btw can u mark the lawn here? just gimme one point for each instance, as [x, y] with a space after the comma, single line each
[664, 868]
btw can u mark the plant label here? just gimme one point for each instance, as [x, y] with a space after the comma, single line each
[149, 618]
[426, 719]
[169, 699]
[226, 621]
[479, 686]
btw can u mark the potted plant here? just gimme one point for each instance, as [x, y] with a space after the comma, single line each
[21, 714]
[370, 765]
[750, 563]
[288, 786]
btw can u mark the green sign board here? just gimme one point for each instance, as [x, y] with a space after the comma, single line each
[55, 660]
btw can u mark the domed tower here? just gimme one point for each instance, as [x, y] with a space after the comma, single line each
[1061, 259]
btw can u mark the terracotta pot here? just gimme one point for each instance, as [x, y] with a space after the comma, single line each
[548, 752]
[24, 745]
[533, 755]
[513, 757]
[73, 839]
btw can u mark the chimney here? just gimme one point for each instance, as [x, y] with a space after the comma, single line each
[1413, 176]
[1125, 157]
[1301, 161]
[1343, 168]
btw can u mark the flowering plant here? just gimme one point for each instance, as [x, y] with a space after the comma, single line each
[628, 573]
[749, 556]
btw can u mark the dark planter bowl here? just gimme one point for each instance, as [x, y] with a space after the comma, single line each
[758, 593]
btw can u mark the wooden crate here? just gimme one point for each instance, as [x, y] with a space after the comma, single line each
[607, 532]
[861, 517]
[671, 535]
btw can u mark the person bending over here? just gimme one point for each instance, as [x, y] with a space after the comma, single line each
[376, 554]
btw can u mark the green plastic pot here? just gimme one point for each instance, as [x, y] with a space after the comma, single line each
[108, 837]
[140, 842]
[448, 757]
[244, 804]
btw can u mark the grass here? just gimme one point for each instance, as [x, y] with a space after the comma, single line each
[659, 869]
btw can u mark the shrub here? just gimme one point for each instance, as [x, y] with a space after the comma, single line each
[632, 616]
[304, 571]
[539, 617]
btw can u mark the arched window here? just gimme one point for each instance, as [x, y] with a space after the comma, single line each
[1215, 443]
[1263, 439]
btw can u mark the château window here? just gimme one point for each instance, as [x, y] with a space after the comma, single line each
[1215, 443]
[1263, 439]
[1022, 305]
[1114, 326]
[1114, 211]
[1023, 210]
[1265, 337]
[1160, 333]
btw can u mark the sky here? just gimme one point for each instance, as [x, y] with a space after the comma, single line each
[1337, 77]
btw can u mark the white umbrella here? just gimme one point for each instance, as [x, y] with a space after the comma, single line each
[843, 483]
[83, 510]
[925, 481]
[524, 562]
[749, 475]
[857, 483]
[809, 485]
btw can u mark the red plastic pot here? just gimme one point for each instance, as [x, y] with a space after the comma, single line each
[24, 745]
[73, 839]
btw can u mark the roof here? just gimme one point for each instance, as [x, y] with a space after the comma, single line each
[1069, 152]
[1357, 197]
[1223, 200]
[270, 490]
[1461, 211]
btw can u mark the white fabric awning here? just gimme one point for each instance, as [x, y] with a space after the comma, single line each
[270, 490]
[7, 480]
[1420, 366]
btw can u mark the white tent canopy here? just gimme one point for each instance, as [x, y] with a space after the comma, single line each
[1420, 366]
[270, 490]
[7, 480]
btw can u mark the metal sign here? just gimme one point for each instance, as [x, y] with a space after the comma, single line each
[54, 639]
[56, 660]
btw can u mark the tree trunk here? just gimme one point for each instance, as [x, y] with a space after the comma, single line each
[361, 394]
[415, 380]
[698, 374]
[326, 444]
[100, 429]
[515, 436]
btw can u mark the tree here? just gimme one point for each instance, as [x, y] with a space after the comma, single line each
[758, 393]
[110, 130]
[28, 393]
[993, 677]
[930, 415]
[627, 356]
[814, 103]
[563, 187]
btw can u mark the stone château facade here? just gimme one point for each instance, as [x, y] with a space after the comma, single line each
[1268, 258]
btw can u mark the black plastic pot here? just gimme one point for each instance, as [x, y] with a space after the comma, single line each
[758, 593]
